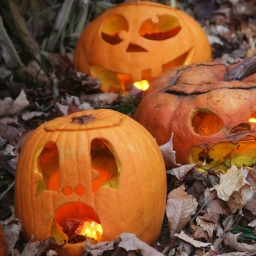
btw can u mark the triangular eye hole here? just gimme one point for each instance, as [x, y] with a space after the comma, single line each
[166, 28]
[48, 166]
[112, 26]
[105, 165]
[205, 122]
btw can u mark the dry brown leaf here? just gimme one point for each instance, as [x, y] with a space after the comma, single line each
[228, 222]
[181, 171]
[239, 198]
[208, 226]
[131, 242]
[252, 224]
[199, 233]
[8, 106]
[214, 204]
[190, 240]
[100, 99]
[230, 182]
[180, 206]
[231, 240]
[38, 247]
[169, 154]
[212, 217]
[99, 248]
[217, 245]
[251, 178]
[31, 114]
[51, 253]
[12, 232]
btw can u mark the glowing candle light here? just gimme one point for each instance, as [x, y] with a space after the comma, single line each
[142, 85]
[252, 120]
[90, 229]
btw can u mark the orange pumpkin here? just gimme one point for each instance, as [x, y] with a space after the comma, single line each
[3, 243]
[212, 120]
[138, 40]
[98, 165]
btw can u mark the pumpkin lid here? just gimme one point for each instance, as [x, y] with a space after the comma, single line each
[85, 120]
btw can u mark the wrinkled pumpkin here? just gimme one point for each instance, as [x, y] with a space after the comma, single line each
[210, 113]
[138, 40]
[95, 165]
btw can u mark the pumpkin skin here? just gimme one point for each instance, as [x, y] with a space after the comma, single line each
[107, 168]
[208, 117]
[136, 41]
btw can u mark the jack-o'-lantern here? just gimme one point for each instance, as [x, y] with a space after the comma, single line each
[95, 170]
[138, 40]
[210, 119]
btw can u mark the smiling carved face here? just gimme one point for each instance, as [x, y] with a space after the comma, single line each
[137, 41]
[212, 121]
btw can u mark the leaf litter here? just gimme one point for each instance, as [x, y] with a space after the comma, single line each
[206, 213]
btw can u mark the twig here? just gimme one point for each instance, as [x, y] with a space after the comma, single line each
[6, 191]
[241, 71]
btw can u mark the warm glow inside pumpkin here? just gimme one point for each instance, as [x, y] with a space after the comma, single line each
[92, 174]
[212, 120]
[136, 41]
[141, 85]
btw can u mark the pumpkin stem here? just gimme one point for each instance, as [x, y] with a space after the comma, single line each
[244, 69]
[85, 119]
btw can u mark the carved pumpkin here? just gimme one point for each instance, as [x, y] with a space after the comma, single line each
[138, 40]
[209, 117]
[98, 165]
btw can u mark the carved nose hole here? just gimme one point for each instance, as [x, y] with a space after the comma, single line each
[67, 190]
[135, 48]
[240, 128]
[79, 190]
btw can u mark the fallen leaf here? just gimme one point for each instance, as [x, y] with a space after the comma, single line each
[99, 248]
[180, 206]
[169, 154]
[29, 115]
[12, 233]
[190, 240]
[100, 99]
[208, 226]
[231, 240]
[181, 171]
[51, 253]
[230, 182]
[212, 217]
[239, 198]
[251, 178]
[218, 242]
[228, 222]
[213, 204]
[199, 233]
[131, 242]
[38, 247]
[252, 224]
[8, 106]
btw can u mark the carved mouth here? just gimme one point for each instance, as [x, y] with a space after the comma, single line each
[67, 219]
[115, 81]
[226, 154]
